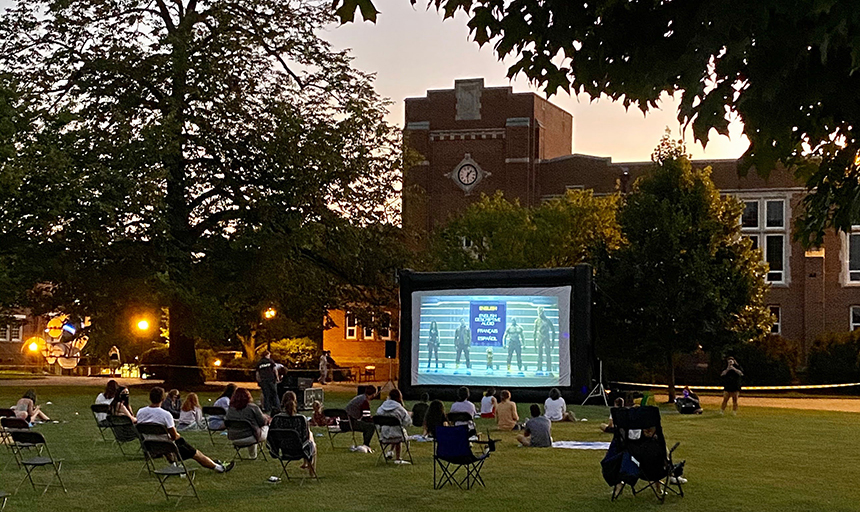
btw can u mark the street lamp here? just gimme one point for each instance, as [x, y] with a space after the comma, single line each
[269, 314]
[143, 324]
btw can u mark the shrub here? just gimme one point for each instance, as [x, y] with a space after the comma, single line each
[834, 358]
[152, 361]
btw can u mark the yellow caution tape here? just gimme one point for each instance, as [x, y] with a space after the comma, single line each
[756, 388]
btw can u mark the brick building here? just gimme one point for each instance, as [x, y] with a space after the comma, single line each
[474, 139]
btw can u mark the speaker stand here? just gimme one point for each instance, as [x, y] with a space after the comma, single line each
[599, 391]
[389, 384]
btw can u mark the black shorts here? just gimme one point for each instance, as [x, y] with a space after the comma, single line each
[186, 451]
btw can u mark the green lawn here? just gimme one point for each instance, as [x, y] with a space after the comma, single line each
[764, 459]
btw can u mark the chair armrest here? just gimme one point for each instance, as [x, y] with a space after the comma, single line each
[673, 448]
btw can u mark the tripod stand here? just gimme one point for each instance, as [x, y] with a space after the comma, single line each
[389, 384]
[599, 391]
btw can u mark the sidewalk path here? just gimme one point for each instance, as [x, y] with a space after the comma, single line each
[848, 404]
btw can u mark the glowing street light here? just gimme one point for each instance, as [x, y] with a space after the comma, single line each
[34, 347]
[143, 325]
[217, 362]
[270, 313]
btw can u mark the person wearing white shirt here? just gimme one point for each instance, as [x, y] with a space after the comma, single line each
[153, 413]
[555, 408]
[105, 398]
[463, 404]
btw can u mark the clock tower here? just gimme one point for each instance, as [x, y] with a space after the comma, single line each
[474, 140]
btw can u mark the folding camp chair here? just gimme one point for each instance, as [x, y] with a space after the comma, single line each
[124, 432]
[383, 423]
[208, 413]
[342, 424]
[452, 451]
[638, 452]
[157, 448]
[102, 424]
[235, 433]
[288, 440]
[3, 497]
[43, 460]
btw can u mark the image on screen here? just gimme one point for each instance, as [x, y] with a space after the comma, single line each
[506, 337]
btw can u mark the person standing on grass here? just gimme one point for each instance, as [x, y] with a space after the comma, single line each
[731, 378]
[324, 367]
[267, 378]
[114, 360]
[153, 413]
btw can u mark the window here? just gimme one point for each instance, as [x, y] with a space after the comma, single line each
[10, 332]
[777, 320]
[764, 223]
[385, 328]
[351, 327]
[16, 332]
[854, 257]
[368, 333]
[4, 332]
[855, 317]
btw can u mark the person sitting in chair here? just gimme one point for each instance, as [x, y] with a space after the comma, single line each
[120, 406]
[538, 430]
[395, 435]
[153, 413]
[290, 409]
[356, 408]
[243, 408]
[435, 417]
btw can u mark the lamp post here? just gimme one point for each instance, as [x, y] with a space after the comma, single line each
[269, 314]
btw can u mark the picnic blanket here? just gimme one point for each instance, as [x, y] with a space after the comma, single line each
[581, 445]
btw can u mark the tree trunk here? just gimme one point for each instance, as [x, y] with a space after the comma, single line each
[671, 362]
[249, 344]
[181, 351]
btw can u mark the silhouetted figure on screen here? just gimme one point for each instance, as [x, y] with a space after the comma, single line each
[433, 344]
[462, 342]
[544, 339]
[514, 340]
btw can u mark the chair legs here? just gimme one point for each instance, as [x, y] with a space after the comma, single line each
[162, 482]
[29, 468]
[311, 471]
[447, 476]
[261, 450]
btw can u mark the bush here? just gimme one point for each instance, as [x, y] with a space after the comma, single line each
[769, 362]
[834, 358]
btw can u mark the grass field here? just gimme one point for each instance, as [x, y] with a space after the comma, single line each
[763, 459]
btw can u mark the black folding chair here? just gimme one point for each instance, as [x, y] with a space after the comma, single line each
[147, 431]
[638, 452]
[157, 448]
[13, 423]
[383, 424]
[124, 432]
[236, 433]
[288, 440]
[43, 460]
[208, 413]
[3, 497]
[102, 424]
[7, 413]
[342, 424]
[452, 451]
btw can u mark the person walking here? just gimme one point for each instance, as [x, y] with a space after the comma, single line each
[267, 378]
[114, 360]
[731, 378]
[324, 367]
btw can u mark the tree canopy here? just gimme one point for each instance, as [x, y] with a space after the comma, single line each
[494, 233]
[157, 146]
[786, 69]
[683, 277]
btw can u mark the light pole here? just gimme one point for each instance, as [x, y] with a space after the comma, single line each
[269, 314]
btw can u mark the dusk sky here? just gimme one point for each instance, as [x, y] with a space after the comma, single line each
[412, 50]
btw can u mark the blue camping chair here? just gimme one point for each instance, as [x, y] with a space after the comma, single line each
[452, 451]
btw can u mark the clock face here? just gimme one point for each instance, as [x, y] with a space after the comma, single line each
[467, 174]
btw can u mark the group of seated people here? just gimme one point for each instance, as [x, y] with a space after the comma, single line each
[238, 404]
[188, 415]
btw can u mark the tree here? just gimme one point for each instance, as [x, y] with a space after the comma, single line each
[500, 234]
[787, 70]
[684, 277]
[166, 135]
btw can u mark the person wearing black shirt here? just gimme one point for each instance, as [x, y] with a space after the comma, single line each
[731, 378]
[267, 378]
